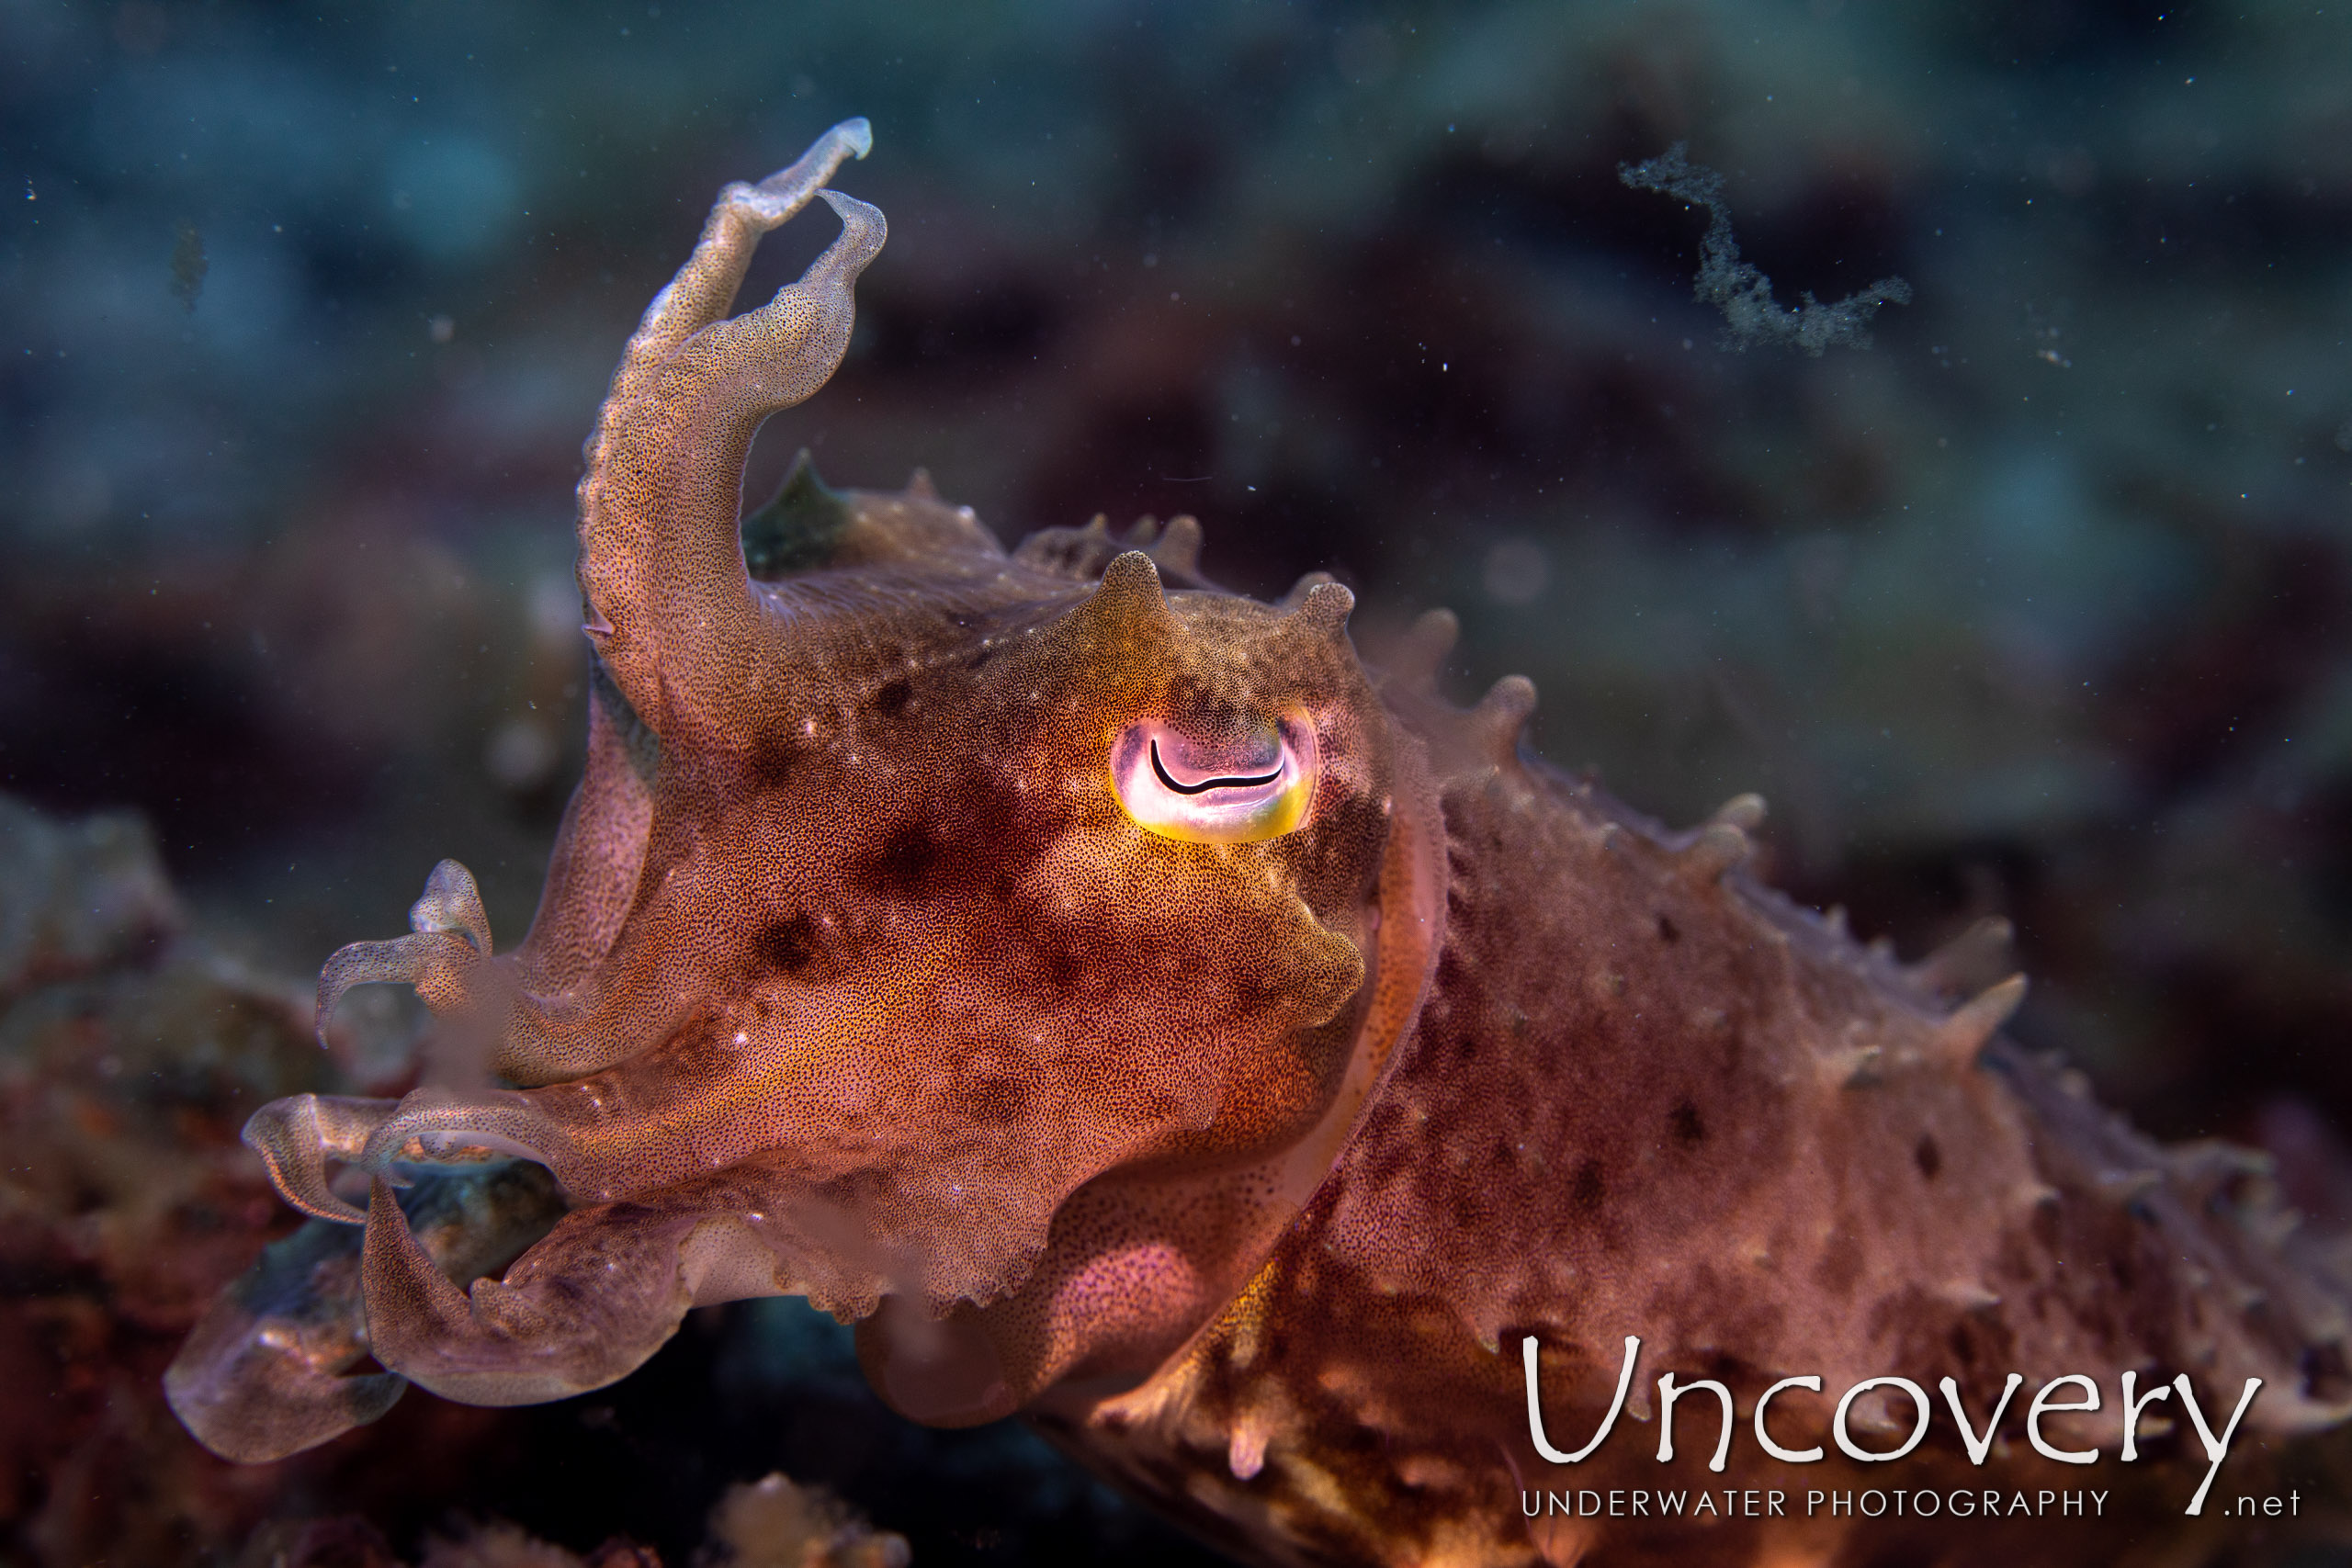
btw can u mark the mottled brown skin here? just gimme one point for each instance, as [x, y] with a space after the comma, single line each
[1649, 1096]
[1244, 1167]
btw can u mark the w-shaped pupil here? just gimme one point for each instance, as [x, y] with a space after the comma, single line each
[1206, 785]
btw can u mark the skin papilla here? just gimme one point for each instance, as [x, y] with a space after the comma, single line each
[1240, 1142]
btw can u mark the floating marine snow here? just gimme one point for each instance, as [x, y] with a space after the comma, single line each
[1136, 1013]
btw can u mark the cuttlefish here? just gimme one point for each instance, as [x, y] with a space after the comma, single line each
[1136, 1012]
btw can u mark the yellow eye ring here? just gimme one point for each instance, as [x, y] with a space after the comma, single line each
[1215, 793]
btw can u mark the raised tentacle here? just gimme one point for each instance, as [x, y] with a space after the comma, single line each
[705, 288]
[670, 603]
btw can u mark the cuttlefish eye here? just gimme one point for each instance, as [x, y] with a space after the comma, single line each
[1234, 790]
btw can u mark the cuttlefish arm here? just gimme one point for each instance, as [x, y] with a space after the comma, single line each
[526, 1034]
[296, 1136]
[267, 1370]
[684, 636]
[672, 607]
[582, 1308]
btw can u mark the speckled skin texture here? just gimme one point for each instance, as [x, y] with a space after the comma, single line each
[1648, 1096]
[1244, 1167]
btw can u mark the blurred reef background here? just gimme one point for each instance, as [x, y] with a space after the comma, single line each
[2040, 607]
